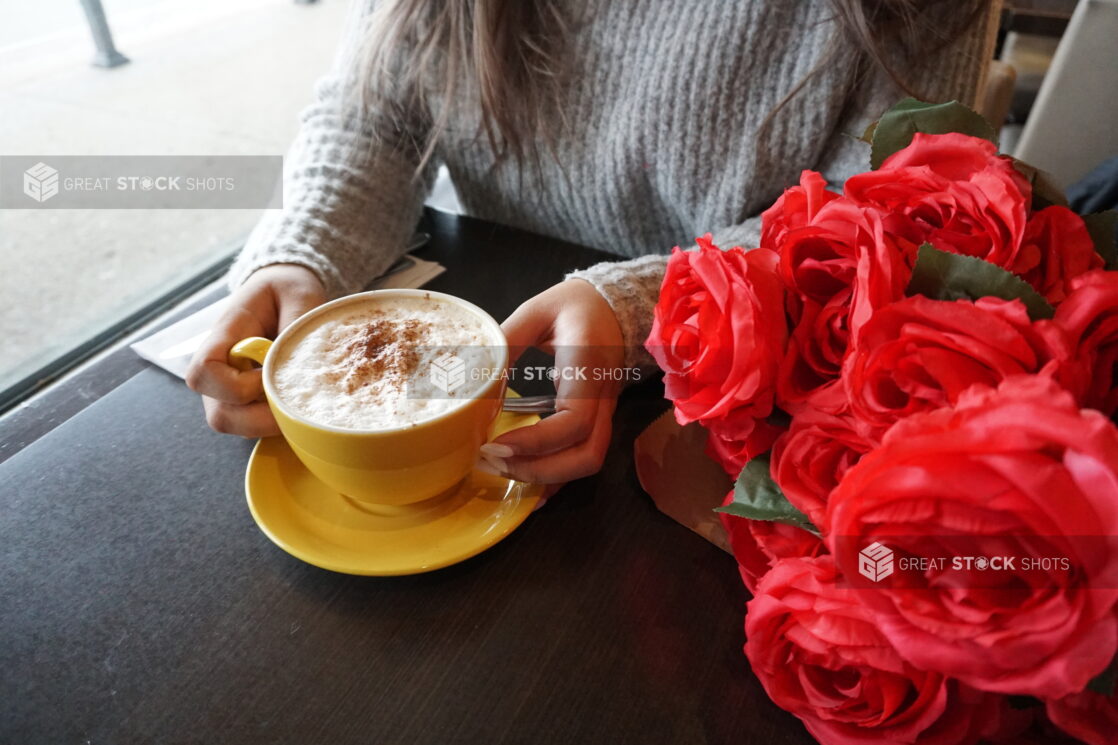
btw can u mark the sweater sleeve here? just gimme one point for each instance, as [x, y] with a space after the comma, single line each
[352, 195]
[958, 72]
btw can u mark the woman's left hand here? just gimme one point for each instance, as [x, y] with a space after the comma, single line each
[575, 323]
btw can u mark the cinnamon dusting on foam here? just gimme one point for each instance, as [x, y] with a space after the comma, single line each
[384, 349]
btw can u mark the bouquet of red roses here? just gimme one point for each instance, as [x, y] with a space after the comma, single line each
[913, 383]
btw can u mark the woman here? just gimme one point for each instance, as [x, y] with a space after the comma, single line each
[629, 126]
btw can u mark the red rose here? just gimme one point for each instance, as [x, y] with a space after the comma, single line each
[1089, 716]
[795, 208]
[845, 240]
[815, 352]
[1055, 249]
[955, 192]
[817, 260]
[1015, 472]
[809, 460]
[738, 438]
[818, 653]
[1090, 316]
[719, 331]
[920, 354]
[838, 270]
[758, 544]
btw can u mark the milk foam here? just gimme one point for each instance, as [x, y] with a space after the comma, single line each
[363, 365]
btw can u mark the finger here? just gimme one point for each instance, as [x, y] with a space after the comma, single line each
[563, 429]
[582, 460]
[526, 327]
[579, 378]
[578, 393]
[566, 465]
[296, 307]
[210, 372]
[253, 420]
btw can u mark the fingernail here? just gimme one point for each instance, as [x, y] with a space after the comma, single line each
[495, 450]
[493, 466]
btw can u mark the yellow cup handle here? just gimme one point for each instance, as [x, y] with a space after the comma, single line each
[249, 351]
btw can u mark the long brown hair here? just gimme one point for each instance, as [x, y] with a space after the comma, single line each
[895, 34]
[506, 55]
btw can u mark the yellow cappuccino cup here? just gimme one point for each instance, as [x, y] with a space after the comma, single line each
[385, 396]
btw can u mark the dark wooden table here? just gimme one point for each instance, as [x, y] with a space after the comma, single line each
[140, 603]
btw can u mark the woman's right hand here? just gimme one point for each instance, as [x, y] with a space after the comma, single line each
[270, 299]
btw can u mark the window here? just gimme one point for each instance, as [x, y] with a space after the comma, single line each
[205, 77]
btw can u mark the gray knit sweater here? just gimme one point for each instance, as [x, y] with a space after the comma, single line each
[664, 101]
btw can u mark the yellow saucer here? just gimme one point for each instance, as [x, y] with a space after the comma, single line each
[312, 522]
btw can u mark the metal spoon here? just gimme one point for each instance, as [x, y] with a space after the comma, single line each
[530, 405]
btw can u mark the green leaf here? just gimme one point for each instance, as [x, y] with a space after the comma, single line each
[757, 497]
[1105, 682]
[1045, 191]
[895, 129]
[946, 276]
[1103, 227]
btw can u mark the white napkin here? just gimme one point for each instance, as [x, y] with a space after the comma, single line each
[173, 347]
